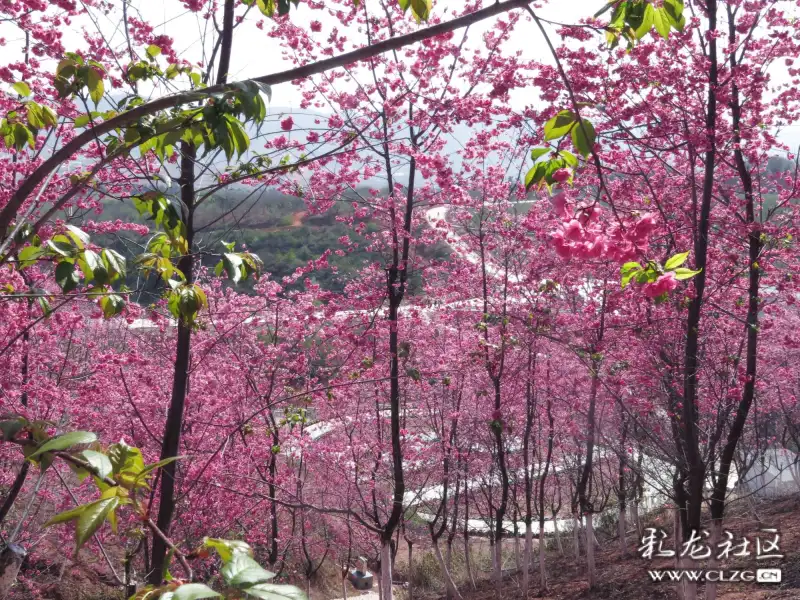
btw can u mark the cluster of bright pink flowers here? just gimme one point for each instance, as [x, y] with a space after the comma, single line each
[583, 233]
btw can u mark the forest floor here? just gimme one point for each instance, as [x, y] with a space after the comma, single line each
[619, 577]
[626, 578]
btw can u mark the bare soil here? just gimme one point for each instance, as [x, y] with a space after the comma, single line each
[626, 578]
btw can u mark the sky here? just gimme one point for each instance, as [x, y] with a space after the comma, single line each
[263, 55]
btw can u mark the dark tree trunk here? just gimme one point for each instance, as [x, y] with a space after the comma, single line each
[180, 383]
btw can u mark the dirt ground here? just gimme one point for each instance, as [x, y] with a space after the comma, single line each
[626, 578]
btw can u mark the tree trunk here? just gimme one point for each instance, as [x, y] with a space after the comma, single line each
[689, 410]
[542, 566]
[591, 575]
[19, 481]
[468, 559]
[180, 383]
[410, 570]
[452, 590]
[576, 536]
[527, 559]
[636, 520]
[11, 558]
[716, 536]
[677, 538]
[557, 533]
[622, 527]
[386, 570]
[498, 567]
[172, 429]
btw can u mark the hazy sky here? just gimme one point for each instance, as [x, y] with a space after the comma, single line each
[255, 53]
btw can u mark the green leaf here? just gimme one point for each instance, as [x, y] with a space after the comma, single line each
[605, 9]
[115, 263]
[674, 11]
[111, 305]
[227, 548]
[270, 591]
[93, 267]
[627, 272]
[11, 428]
[647, 21]
[44, 304]
[63, 442]
[80, 237]
[242, 570]
[63, 248]
[28, 255]
[661, 22]
[23, 136]
[22, 88]
[569, 158]
[583, 137]
[99, 461]
[125, 458]
[95, 84]
[67, 515]
[684, 273]
[676, 261]
[48, 116]
[35, 116]
[530, 178]
[421, 9]
[66, 277]
[92, 518]
[537, 153]
[194, 591]
[233, 266]
[559, 125]
[153, 51]
[157, 465]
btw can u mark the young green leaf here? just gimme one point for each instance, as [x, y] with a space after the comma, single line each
[270, 591]
[79, 237]
[99, 461]
[242, 570]
[628, 271]
[63, 442]
[67, 515]
[583, 137]
[66, 276]
[537, 153]
[11, 428]
[647, 21]
[22, 88]
[684, 273]
[676, 261]
[661, 22]
[95, 84]
[421, 9]
[111, 305]
[157, 465]
[559, 125]
[228, 548]
[92, 518]
[194, 591]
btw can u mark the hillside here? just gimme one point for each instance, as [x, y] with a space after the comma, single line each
[626, 578]
[276, 227]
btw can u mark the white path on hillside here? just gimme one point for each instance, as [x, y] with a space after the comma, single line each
[437, 220]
